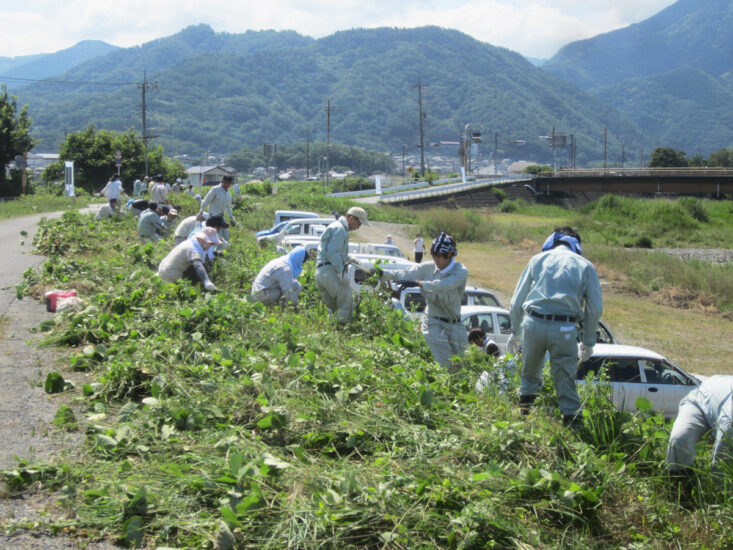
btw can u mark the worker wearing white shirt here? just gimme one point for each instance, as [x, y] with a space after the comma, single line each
[219, 202]
[278, 280]
[159, 192]
[112, 191]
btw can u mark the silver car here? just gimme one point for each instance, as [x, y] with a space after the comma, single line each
[636, 372]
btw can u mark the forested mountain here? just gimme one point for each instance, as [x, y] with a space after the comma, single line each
[218, 92]
[672, 73]
[42, 66]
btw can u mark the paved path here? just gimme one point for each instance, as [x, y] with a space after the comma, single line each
[26, 411]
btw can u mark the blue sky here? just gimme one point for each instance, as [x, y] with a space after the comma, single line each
[534, 28]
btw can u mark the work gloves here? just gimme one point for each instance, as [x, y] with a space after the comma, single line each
[514, 344]
[208, 285]
[405, 283]
[584, 352]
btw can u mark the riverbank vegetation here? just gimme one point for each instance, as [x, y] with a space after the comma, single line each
[214, 422]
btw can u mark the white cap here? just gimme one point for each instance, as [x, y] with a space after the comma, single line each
[359, 213]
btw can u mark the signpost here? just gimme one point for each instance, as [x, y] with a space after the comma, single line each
[118, 161]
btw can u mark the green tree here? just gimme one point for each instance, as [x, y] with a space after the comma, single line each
[723, 158]
[14, 138]
[93, 153]
[663, 157]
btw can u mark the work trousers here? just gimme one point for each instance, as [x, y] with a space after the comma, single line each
[689, 428]
[336, 293]
[444, 339]
[560, 339]
[271, 296]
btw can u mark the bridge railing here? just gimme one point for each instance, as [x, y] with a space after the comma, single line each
[598, 172]
[453, 188]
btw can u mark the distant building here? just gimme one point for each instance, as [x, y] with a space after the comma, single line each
[207, 175]
[40, 161]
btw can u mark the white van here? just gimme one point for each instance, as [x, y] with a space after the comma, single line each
[297, 227]
[287, 215]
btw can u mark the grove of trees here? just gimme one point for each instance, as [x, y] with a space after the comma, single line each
[669, 157]
[93, 152]
[15, 139]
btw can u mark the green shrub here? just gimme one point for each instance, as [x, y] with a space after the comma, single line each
[643, 242]
[695, 208]
[499, 193]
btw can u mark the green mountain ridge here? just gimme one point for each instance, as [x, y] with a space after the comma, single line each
[671, 74]
[219, 92]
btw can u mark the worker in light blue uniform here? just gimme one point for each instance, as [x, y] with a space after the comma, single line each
[278, 280]
[442, 282]
[557, 292]
[709, 408]
[332, 260]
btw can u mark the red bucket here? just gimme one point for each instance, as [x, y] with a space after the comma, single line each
[52, 297]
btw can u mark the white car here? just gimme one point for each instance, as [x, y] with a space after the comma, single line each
[638, 372]
[360, 272]
[298, 227]
[494, 321]
[380, 249]
[412, 303]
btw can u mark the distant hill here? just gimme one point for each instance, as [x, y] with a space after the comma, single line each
[689, 33]
[218, 92]
[671, 74]
[41, 66]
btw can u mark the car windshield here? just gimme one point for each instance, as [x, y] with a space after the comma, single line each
[387, 251]
[481, 299]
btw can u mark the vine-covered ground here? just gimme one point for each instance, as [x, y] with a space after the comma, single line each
[214, 422]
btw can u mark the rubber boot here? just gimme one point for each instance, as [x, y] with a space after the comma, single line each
[525, 403]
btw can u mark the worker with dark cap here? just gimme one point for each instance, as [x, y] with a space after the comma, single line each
[443, 283]
[557, 292]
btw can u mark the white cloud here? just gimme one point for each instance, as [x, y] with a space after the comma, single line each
[532, 27]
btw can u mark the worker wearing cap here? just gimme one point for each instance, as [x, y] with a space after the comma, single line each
[331, 263]
[278, 280]
[220, 224]
[187, 259]
[709, 408]
[219, 202]
[443, 283]
[557, 291]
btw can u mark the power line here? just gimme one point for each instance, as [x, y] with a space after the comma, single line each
[67, 82]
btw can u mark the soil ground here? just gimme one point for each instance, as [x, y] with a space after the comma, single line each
[27, 412]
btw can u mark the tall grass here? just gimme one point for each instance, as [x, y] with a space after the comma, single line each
[462, 225]
[651, 271]
[35, 204]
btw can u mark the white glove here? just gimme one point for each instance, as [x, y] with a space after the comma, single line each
[584, 352]
[513, 344]
[208, 285]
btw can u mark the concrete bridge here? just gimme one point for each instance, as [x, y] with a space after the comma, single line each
[574, 188]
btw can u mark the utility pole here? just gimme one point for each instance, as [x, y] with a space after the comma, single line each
[496, 146]
[307, 132]
[572, 150]
[403, 163]
[623, 154]
[144, 87]
[328, 109]
[419, 87]
[605, 144]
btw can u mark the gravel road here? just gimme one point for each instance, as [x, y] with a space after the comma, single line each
[27, 412]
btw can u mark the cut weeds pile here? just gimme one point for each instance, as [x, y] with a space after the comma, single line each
[216, 422]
